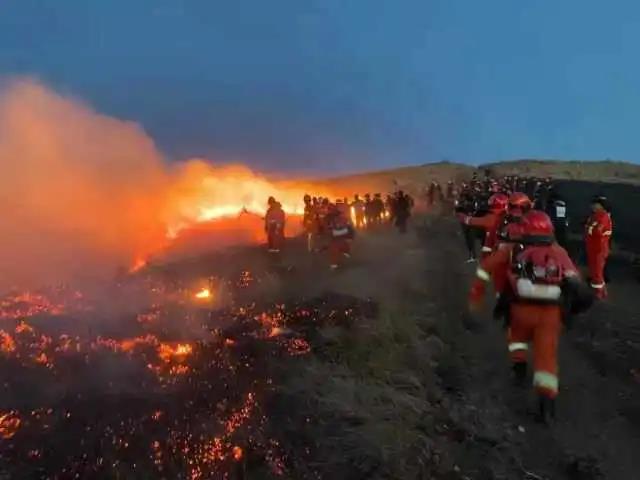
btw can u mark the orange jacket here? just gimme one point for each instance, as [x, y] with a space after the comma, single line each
[490, 223]
[598, 231]
[274, 217]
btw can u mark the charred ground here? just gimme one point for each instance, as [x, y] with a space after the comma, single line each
[371, 372]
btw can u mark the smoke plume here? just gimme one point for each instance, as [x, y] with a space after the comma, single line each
[83, 194]
[79, 190]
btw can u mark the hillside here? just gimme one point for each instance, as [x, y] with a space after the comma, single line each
[411, 179]
[414, 178]
[604, 171]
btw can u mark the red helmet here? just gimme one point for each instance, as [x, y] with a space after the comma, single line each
[537, 224]
[520, 201]
[498, 202]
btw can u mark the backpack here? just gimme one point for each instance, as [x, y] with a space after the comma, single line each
[340, 227]
[536, 275]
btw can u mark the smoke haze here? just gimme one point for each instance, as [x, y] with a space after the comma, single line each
[83, 194]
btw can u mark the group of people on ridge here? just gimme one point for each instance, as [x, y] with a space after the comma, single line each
[537, 286]
[330, 226]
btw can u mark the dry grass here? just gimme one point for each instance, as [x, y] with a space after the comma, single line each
[363, 399]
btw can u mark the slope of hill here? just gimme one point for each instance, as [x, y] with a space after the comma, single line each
[412, 178]
[415, 178]
[604, 171]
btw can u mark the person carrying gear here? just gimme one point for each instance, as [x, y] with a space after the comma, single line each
[310, 221]
[431, 194]
[343, 207]
[557, 211]
[402, 211]
[490, 222]
[377, 209]
[358, 211]
[510, 231]
[544, 288]
[368, 209]
[274, 225]
[519, 205]
[390, 207]
[465, 205]
[340, 233]
[450, 190]
[598, 230]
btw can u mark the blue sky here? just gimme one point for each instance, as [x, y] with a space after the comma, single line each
[345, 85]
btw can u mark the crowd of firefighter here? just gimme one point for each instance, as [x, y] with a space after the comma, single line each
[526, 255]
[331, 225]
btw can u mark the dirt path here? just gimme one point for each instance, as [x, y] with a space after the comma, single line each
[492, 431]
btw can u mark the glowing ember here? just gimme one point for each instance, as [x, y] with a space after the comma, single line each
[161, 404]
[138, 264]
[167, 352]
[237, 453]
[28, 304]
[23, 327]
[204, 293]
[9, 424]
[7, 344]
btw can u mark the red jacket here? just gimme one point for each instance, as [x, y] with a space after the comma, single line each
[598, 231]
[274, 217]
[490, 223]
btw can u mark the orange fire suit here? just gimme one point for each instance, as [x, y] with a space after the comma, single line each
[490, 223]
[310, 223]
[530, 322]
[274, 227]
[597, 241]
[340, 234]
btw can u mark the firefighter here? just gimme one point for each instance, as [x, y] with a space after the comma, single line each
[368, 209]
[402, 211]
[519, 205]
[450, 190]
[274, 225]
[377, 208]
[358, 211]
[490, 222]
[511, 231]
[340, 232]
[310, 221]
[598, 230]
[557, 211]
[465, 205]
[431, 193]
[390, 207]
[544, 288]
[343, 207]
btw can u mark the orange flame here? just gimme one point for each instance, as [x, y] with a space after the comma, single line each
[167, 352]
[9, 424]
[82, 208]
[204, 293]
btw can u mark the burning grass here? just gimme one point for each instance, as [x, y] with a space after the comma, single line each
[150, 404]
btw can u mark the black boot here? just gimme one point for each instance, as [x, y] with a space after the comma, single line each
[519, 373]
[546, 410]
